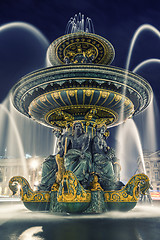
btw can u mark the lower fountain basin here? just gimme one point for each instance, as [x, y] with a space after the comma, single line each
[79, 200]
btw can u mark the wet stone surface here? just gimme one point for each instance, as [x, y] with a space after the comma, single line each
[17, 223]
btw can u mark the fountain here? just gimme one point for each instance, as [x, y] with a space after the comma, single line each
[80, 96]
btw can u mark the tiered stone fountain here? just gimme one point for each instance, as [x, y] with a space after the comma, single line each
[80, 95]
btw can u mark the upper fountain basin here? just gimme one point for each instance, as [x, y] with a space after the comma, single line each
[59, 95]
[80, 47]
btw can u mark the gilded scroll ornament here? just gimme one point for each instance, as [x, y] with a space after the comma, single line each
[70, 190]
[26, 192]
[130, 193]
[90, 114]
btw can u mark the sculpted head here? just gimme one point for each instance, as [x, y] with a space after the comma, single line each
[78, 128]
[57, 132]
[103, 130]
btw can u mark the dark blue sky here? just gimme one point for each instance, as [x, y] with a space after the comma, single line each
[115, 20]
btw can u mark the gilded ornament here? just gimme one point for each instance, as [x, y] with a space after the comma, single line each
[56, 95]
[26, 192]
[101, 121]
[61, 123]
[76, 110]
[118, 98]
[88, 93]
[107, 133]
[61, 168]
[70, 190]
[72, 93]
[87, 123]
[55, 187]
[90, 114]
[43, 98]
[130, 192]
[95, 185]
[127, 102]
[67, 116]
[105, 94]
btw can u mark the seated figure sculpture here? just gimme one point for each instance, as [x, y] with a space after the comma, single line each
[49, 169]
[78, 158]
[104, 160]
[53, 167]
[85, 158]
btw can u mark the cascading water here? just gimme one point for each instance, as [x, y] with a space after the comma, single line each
[144, 63]
[21, 137]
[149, 124]
[79, 24]
[143, 27]
[26, 26]
[16, 139]
[129, 149]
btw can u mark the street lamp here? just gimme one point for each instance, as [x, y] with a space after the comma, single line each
[34, 164]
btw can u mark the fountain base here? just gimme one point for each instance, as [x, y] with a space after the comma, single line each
[71, 197]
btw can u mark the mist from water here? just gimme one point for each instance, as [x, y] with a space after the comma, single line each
[138, 32]
[129, 148]
[19, 212]
[149, 122]
[140, 223]
[21, 136]
[17, 139]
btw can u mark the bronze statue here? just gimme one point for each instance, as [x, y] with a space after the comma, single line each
[76, 154]
[78, 158]
[103, 159]
[53, 166]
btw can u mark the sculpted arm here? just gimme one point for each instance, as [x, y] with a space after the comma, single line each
[95, 145]
[66, 140]
[105, 147]
[85, 143]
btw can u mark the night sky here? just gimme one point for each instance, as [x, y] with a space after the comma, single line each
[22, 51]
[115, 20]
